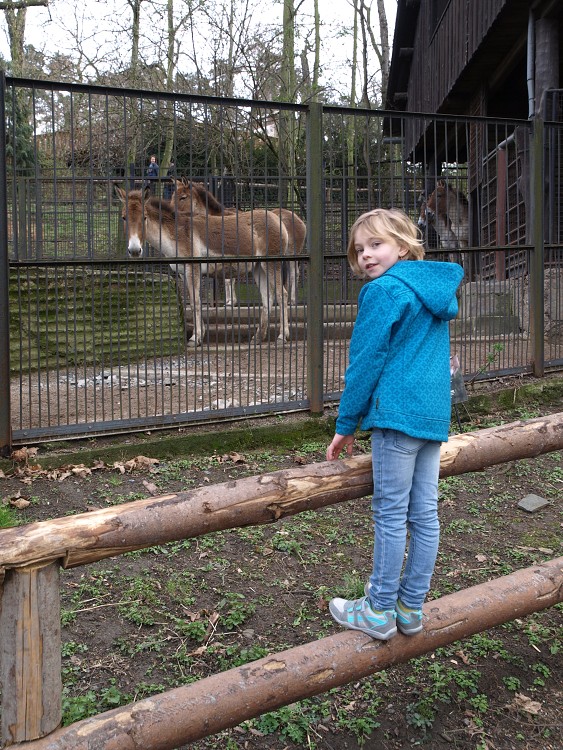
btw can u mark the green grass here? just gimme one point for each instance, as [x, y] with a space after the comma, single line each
[8, 517]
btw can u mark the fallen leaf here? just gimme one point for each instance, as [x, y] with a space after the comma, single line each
[19, 503]
[463, 657]
[192, 616]
[237, 458]
[481, 558]
[524, 703]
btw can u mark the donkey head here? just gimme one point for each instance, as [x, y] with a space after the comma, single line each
[134, 218]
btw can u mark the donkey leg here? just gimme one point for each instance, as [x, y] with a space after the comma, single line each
[192, 276]
[230, 292]
[267, 292]
[292, 281]
[281, 296]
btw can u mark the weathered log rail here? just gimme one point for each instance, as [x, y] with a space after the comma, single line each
[225, 699]
[88, 537]
[31, 556]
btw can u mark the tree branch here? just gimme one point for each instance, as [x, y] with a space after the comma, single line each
[19, 4]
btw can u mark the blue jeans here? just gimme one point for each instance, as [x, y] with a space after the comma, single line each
[405, 479]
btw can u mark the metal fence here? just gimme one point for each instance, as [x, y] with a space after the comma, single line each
[98, 342]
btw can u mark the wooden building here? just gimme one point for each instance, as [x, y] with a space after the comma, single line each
[499, 59]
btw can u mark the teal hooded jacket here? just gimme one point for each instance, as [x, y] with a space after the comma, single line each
[398, 375]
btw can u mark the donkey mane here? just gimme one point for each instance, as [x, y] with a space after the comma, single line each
[160, 205]
[209, 199]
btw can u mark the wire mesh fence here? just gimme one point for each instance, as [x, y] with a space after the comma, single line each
[198, 307]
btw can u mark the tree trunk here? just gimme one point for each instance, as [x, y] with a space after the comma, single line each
[88, 537]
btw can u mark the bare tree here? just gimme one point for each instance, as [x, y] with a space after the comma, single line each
[15, 12]
[380, 49]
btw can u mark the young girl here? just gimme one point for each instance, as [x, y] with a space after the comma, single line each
[398, 386]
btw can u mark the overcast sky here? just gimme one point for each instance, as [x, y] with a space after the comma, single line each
[44, 29]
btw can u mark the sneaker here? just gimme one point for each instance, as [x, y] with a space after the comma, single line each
[358, 615]
[409, 621]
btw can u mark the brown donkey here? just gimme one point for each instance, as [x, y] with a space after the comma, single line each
[193, 198]
[226, 240]
[447, 210]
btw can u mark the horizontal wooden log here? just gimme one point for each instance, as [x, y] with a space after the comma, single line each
[88, 537]
[224, 700]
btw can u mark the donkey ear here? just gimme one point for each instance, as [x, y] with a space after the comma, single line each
[441, 184]
[146, 192]
[120, 193]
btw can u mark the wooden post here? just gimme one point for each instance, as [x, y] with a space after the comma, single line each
[30, 653]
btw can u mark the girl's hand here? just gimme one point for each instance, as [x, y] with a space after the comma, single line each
[339, 443]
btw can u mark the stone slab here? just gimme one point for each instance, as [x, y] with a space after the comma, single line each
[531, 503]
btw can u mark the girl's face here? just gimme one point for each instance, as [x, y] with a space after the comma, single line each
[376, 254]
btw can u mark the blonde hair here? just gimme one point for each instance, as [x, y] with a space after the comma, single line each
[387, 224]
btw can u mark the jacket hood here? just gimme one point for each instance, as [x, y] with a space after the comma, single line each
[434, 282]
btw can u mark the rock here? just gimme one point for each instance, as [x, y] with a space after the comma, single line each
[532, 503]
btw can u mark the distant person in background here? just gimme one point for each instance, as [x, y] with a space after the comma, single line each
[152, 173]
[169, 184]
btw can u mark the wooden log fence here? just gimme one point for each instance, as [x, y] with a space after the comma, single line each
[30, 558]
[169, 720]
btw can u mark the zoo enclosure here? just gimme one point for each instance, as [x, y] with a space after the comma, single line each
[31, 557]
[95, 342]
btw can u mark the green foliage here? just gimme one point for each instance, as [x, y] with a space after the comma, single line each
[8, 517]
[20, 151]
[234, 610]
[78, 707]
[290, 722]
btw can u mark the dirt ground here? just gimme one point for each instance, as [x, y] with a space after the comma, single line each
[152, 620]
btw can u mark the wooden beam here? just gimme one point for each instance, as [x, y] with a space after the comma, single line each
[30, 653]
[224, 700]
[87, 537]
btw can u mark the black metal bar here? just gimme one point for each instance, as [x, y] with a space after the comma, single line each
[537, 199]
[315, 223]
[5, 415]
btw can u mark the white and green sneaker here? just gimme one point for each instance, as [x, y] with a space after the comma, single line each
[358, 615]
[409, 620]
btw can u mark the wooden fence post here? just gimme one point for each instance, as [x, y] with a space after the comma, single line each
[30, 652]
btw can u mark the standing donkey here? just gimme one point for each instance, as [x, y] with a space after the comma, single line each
[193, 198]
[447, 210]
[228, 239]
